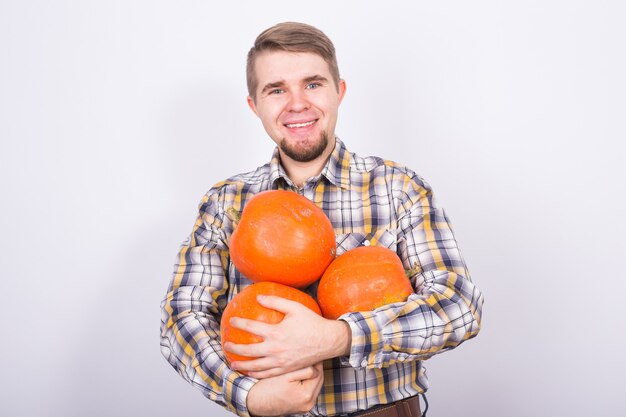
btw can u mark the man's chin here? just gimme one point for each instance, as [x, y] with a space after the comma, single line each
[304, 152]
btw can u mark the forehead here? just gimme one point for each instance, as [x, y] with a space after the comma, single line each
[275, 66]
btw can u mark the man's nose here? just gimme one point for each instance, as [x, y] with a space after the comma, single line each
[298, 101]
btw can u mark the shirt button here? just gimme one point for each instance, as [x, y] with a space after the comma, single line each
[366, 243]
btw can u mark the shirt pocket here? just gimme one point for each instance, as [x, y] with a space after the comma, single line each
[379, 237]
[347, 241]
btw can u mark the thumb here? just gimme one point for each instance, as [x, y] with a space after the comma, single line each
[310, 372]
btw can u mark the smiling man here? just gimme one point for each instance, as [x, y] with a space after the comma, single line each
[365, 363]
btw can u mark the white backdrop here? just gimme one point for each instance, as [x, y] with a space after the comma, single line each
[116, 116]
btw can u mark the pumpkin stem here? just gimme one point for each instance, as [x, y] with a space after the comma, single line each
[233, 215]
[414, 271]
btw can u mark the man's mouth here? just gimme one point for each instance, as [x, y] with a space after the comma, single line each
[302, 124]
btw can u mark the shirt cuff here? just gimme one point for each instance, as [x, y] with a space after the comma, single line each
[367, 341]
[236, 389]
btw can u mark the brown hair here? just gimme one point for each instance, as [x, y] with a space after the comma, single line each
[291, 37]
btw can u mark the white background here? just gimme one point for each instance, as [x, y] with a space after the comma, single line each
[117, 116]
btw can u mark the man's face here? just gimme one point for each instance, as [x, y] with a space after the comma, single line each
[297, 102]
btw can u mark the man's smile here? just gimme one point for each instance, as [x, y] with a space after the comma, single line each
[300, 124]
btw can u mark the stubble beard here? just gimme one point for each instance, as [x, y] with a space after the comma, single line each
[305, 154]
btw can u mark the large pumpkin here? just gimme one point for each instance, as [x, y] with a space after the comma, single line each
[362, 279]
[282, 237]
[246, 306]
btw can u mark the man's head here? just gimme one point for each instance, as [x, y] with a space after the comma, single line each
[295, 90]
[291, 37]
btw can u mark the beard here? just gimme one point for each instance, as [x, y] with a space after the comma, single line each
[305, 154]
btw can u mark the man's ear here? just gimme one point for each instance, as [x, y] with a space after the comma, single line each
[252, 105]
[342, 89]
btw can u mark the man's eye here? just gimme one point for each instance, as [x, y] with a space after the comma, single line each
[313, 86]
[276, 91]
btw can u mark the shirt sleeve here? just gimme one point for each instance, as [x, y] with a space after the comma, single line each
[190, 313]
[445, 309]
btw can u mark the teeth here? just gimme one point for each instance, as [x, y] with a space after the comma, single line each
[291, 125]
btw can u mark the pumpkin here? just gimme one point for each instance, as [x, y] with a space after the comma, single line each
[362, 279]
[245, 305]
[282, 237]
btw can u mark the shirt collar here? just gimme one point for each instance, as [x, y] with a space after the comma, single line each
[336, 170]
[276, 170]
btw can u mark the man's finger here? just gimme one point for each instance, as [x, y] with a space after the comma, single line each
[259, 364]
[310, 372]
[277, 303]
[253, 350]
[266, 374]
[255, 365]
[252, 326]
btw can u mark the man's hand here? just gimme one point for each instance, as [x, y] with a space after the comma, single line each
[301, 339]
[291, 393]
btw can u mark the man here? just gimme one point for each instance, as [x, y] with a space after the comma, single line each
[364, 361]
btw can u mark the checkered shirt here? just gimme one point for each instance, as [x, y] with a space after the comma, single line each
[370, 201]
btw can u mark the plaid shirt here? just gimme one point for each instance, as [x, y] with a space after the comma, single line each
[369, 201]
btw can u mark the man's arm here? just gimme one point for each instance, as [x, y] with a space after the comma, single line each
[190, 313]
[190, 337]
[445, 309]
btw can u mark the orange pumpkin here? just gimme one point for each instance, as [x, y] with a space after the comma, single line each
[246, 306]
[362, 279]
[282, 237]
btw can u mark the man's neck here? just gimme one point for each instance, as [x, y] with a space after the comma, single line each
[299, 172]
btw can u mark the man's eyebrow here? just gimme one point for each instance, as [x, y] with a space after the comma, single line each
[315, 77]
